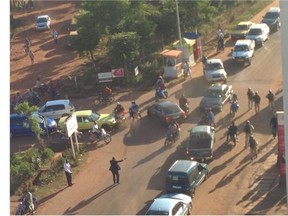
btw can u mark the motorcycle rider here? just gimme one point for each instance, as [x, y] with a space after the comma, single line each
[173, 128]
[96, 130]
[234, 106]
[182, 102]
[134, 110]
[107, 92]
[118, 110]
[232, 133]
[27, 199]
[160, 82]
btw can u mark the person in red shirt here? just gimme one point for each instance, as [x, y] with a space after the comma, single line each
[107, 91]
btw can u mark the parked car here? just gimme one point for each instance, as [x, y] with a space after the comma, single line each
[216, 96]
[57, 108]
[272, 18]
[241, 30]
[184, 176]
[201, 142]
[259, 33]
[86, 119]
[20, 125]
[43, 22]
[166, 111]
[214, 71]
[243, 51]
[171, 204]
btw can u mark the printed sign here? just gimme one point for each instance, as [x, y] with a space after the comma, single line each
[118, 73]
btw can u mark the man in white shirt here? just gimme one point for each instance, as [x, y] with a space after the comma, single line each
[68, 173]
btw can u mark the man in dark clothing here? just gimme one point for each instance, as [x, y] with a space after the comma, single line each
[114, 168]
[182, 102]
[257, 100]
[270, 96]
[250, 95]
[232, 132]
[274, 125]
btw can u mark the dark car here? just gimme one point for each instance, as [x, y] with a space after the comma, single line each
[216, 96]
[184, 176]
[166, 111]
[272, 18]
[21, 126]
[201, 142]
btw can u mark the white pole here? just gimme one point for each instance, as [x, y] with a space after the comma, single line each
[178, 23]
[284, 52]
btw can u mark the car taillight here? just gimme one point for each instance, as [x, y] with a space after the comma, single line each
[167, 118]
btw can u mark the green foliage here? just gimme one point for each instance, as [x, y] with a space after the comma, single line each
[32, 121]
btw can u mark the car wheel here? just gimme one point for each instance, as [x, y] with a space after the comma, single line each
[190, 209]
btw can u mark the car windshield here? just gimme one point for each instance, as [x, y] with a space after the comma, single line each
[94, 116]
[241, 48]
[255, 31]
[41, 20]
[157, 212]
[213, 93]
[177, 179]
[199, 140]
[171, 109]
[241, 27]
[271, 15]
[213, 66]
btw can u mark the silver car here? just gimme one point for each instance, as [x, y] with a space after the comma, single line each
[43, 22]
[171, 204]
[214, 71]
[216, 96]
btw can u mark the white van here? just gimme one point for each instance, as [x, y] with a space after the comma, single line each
[259, 33]
[57, 108]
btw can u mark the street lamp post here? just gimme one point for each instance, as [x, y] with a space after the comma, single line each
[178, 23]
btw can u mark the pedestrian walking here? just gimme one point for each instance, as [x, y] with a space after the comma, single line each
[27, 45]
[55, 36]
[186, 69]
[250, 95]
[270, 96]
[253, 147]
[114, 168]
[257, 100]
[31, 56]
[68, 173]
[274, 125]
[248, 130]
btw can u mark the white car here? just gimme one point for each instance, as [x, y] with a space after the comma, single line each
[243, 51]
[171, 204]
[43, 22]
[57, 108]
[259, 33]
[214, 71]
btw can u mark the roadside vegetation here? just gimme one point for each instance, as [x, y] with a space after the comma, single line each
[124, 34]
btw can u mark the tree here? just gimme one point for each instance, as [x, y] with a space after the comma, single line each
[124, 50]
[24, 108]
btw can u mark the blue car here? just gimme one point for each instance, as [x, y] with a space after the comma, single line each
[20, 125]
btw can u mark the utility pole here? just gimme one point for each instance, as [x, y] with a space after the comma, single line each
[178, 23]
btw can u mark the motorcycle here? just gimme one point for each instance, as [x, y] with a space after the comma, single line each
[172, 137]
[161, 94]
[101, 98]
[23, 207]
[205, 121]
[106, 137]
[119, 117]
[234, 108]
[185, 108]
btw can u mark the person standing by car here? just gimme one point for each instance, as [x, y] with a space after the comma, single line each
[270, 96]
[274, 125]
[114, 168]
[68, 173]
[250, 95]
[232, 133]
[55, 36]
[257, 100]
[248, 130]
